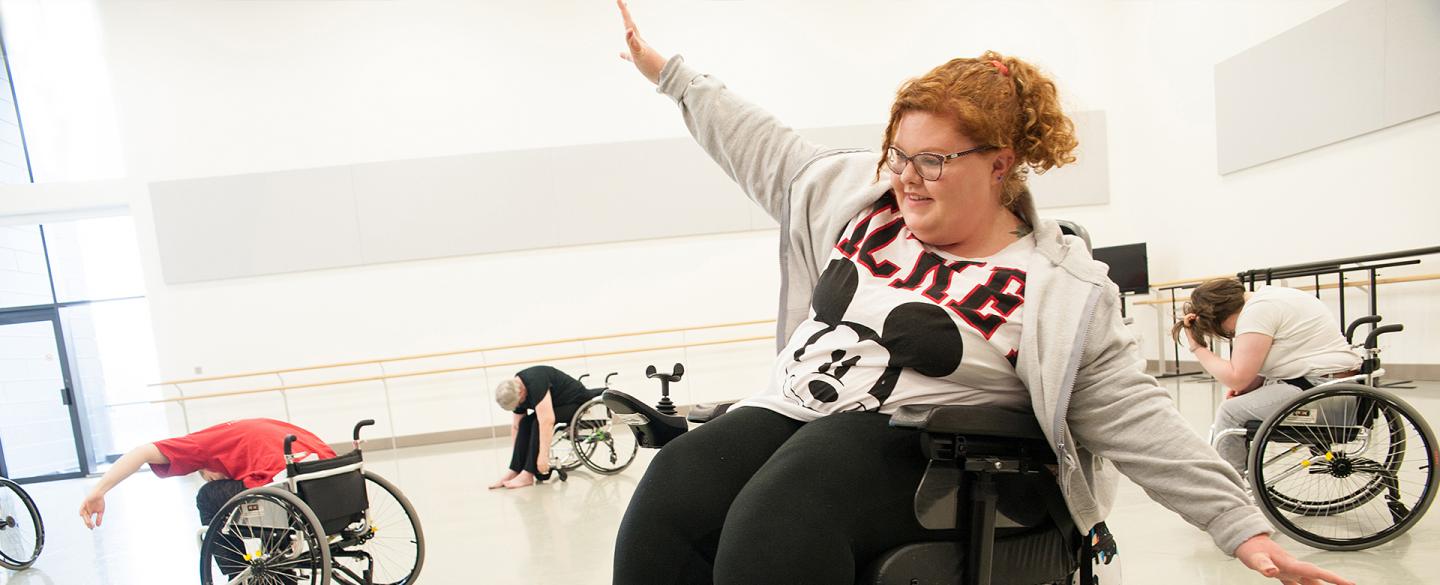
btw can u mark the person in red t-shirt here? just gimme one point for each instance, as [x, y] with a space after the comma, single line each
[231, 457]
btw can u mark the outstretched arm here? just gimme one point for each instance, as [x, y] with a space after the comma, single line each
[755, 149]
[92, 510]
[649, 61]
[545, 415]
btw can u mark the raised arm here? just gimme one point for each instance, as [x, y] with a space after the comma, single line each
[92, 510]
[758, 152]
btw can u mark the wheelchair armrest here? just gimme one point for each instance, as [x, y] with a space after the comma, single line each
[703, 413]
[1348, 379]
[652, 429]
[985, 421]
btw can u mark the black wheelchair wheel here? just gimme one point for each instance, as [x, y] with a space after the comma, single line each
[388, 548]
[1344, 467]
[22, 532]
[604, 445]
[265, 536]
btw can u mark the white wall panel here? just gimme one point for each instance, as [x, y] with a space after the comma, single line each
[1360, 67]
[227, 227]
[1412, 59]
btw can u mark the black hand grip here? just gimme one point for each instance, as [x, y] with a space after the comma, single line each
[674, 376]
[581, 379]
[288, 440]
[362, 424]
[608, 376]
[1350, 331]
[1373, 337]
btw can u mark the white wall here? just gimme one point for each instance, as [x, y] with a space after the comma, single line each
[204, 88]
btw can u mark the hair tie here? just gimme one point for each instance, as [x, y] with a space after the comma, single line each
[1001, 67]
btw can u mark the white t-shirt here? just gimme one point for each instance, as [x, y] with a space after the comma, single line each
[1308, 341]
[895, 321]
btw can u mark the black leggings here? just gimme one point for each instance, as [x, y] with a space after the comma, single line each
[527, 438]
[755, 497]
[213, 495]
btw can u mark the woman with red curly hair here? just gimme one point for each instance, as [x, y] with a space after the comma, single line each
[923, 277]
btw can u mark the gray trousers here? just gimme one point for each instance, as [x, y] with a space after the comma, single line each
[1257, 404]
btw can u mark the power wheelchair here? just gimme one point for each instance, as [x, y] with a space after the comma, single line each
[590, 439]
[993, 447]
[1345, 465]
[328, 521]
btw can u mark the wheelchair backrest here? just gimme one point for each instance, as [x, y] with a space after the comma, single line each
[334, 489]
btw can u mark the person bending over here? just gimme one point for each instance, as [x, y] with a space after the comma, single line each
[231, 457]
[921, 275]
[538, 396]
[1283, 341]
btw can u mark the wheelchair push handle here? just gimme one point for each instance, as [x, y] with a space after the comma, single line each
[288, 440]
[360, 425]
[1373, 338]
[1350, 331]
[608, 376]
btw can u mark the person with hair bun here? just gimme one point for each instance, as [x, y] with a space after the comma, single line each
[922, 275]
[1283, 341]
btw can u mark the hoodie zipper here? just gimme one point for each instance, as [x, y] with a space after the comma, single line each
[1068, 383]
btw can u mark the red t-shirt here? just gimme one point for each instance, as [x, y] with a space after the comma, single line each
[251, 450]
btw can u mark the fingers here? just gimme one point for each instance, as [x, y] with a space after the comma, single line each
[632, 41]
[1262, 564]
[625, 14]
[1311, 574]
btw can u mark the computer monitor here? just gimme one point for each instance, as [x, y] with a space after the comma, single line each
[1129, 266]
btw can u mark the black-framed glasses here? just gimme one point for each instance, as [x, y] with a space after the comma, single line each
[928, 164]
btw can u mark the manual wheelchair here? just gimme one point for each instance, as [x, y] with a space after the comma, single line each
[328, 520]
[1344, 465]
[22, 532]
[973, 452]
[590, 439]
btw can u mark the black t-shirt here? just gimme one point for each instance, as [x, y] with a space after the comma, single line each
[542, 380]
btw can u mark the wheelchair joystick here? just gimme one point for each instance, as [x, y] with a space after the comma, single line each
[666, 406]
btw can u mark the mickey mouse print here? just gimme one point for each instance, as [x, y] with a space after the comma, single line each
[896, 322]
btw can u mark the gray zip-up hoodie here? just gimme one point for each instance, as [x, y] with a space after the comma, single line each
[1083, 368]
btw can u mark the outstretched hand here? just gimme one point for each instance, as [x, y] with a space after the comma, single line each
[1263, 556]
[640, 52]
[92, 510]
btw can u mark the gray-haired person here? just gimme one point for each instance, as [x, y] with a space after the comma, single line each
[538, 396]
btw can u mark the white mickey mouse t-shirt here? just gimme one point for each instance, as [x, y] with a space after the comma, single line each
[895, 321]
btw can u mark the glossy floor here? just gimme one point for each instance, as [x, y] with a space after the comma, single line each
[564, 532]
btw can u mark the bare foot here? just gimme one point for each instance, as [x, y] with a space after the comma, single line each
[499, 483]
[520, 481]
